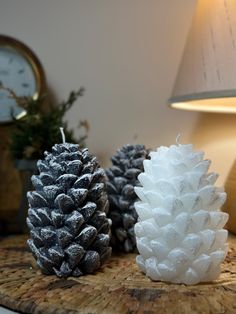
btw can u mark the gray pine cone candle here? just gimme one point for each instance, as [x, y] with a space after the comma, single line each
[122, 177]
[69, 229]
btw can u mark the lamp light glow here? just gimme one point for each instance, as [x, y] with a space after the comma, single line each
[221, 105]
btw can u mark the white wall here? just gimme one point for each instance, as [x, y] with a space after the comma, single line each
[126, 54]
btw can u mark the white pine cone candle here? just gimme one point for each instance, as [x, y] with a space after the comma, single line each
[179, 232]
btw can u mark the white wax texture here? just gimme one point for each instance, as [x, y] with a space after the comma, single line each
[179, 232]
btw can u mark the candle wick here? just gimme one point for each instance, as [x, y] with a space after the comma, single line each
[63, 136]
[178, 139]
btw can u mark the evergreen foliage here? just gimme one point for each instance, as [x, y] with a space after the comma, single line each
[39, 129]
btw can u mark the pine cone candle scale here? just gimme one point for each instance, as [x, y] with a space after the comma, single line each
[122, 177]
[179, 234]
[69, 230]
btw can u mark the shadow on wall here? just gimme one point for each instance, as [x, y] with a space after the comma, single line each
[215, 134]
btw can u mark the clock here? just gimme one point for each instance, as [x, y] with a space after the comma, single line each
[20, 71]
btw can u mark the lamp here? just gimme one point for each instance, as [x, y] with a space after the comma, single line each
[206, 80]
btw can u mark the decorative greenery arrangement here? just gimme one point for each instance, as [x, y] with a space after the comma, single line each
[38, 130]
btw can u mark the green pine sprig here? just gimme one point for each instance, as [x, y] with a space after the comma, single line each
[39, 129]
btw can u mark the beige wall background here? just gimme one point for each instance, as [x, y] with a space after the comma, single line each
[126, 54]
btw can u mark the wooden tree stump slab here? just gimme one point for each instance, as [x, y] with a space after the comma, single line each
[118, 287]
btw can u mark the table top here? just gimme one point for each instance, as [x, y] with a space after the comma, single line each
[118, 287]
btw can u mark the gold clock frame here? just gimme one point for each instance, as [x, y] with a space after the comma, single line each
[31, 58]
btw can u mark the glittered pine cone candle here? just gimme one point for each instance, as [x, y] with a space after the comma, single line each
[127, 164]
[67, 216]
[179, 233]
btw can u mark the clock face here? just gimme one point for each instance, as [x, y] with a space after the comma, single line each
[17, 74]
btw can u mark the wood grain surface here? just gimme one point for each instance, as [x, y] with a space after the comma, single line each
[118, 287]
[10, 197]
[10, 185]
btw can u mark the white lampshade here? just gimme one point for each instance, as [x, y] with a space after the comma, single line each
[206, 79]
